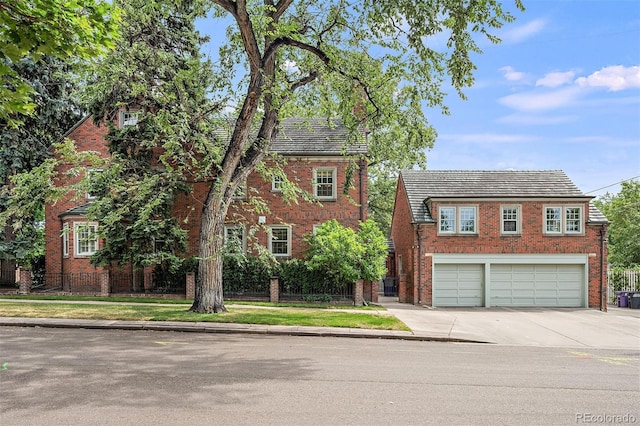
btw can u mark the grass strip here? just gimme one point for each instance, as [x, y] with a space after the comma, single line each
[133, 299]
[283, 316]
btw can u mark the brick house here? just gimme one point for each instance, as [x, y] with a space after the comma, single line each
[313, 155]
[498, 238]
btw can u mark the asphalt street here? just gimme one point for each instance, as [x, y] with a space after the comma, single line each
[115, 377]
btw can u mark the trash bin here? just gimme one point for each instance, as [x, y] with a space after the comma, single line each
[622, 298]
[390, 286]
[634, 300]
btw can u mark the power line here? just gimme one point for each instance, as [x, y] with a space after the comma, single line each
[613, 184]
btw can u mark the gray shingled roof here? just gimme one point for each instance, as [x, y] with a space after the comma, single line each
[76, 211]
[595, 215]
[421, 185]
[313, 136]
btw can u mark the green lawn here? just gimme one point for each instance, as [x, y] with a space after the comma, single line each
[278, 316]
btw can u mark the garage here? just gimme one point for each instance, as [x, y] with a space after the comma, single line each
[458, 285]
[534, 285]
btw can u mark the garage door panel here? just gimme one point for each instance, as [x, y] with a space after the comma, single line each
[537, 285]
[458, 285]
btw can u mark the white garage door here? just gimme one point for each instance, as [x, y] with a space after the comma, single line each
[537, 285]
[458, 285]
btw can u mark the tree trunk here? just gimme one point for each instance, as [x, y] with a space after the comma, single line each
[208, 291]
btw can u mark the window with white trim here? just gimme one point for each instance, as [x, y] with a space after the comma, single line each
[458, 220]
[65, 240]
[276, 183]
[566, 219]
[234, 239]
[447, 220]
[129, 118]
[324, 183]
[467, 220]
[85, 236]
[91, 175]
[573, 220]
[510, 220]
[280, 241]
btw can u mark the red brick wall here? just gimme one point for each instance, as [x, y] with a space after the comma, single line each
[87, 137]
[301, 216]
[404, 239]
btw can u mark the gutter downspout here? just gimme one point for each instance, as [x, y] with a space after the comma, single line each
[419, 264]
[361, 171]
[602, 247]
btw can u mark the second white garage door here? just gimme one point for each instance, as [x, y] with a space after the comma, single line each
[537, 285]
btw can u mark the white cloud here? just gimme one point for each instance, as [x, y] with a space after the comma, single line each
[614, 78]
[555, 79]
[523, 32]
[532, 119]
[534, 101]
[512, 75]
[480, 138]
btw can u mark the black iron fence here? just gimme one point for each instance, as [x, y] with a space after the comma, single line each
[81, 282]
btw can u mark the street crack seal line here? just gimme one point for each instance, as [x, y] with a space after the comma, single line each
[171, 343]
[606, 359]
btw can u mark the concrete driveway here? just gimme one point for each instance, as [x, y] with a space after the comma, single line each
[564, 327]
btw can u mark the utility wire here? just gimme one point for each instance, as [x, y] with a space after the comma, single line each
[613, 184]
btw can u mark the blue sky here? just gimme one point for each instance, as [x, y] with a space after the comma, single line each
[562, 91]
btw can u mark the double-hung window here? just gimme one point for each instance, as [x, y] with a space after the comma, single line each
[65, 240]
[276, 183]
[458, 220]
[280, 241]
[324, 183]
[85, 236]
[566, 219]
[510, 220]
[129, 118]
[234, 239]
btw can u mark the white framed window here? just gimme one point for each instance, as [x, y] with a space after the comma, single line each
[241, 192]
[91, 174]
[280, 241]
[510, 220]
[447, 220]
[85, 237]
[573, 220]
[458, 220]
[324, 183]
[276, 183]
[314, 231]
[565, 219]
[65, 240]
[129, 118]
[234, 238]
[468, 220]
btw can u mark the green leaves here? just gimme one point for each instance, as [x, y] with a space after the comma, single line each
[344, 255]
[66, 29]
[623, 211]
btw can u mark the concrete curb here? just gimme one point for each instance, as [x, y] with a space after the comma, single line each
[222, 328]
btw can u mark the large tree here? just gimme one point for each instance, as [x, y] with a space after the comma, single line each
[32, 29]
[345, 56]
[623, 211]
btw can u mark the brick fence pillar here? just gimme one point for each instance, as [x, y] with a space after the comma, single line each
[26, 280]
[358, 293]
[274, 290]
[105, 284]
[402, 289]
[191, 286]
